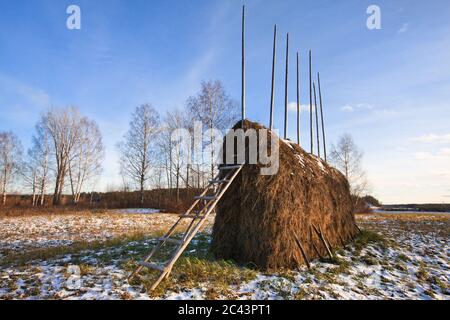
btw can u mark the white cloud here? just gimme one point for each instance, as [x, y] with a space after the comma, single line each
[359, 106]
[404, 28]
[347, 108]
[434, 138]
[22, 93]
[36, 96]
[292, 106]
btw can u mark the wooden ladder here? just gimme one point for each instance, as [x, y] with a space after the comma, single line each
[198, 212]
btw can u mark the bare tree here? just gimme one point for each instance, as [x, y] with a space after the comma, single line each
[179, 152]
[215, 109]
[63, 127]
[86, 158]
[30, 176]
[163, 153]
[137, 146]
[39, 164]
[10, 161]
[75, 144]
[347, 157]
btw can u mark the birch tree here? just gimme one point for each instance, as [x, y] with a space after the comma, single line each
[10, 161]
[85, 162]
[63, 127]
[179, 149]
[39, 163]
[137, 146]
[216, 110]
[347, 157]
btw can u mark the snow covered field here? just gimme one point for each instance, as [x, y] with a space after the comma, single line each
[18, 234]
[397, 257]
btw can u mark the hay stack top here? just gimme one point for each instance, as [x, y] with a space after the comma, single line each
[259, 216]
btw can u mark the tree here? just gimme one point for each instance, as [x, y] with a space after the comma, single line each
[347, 157]
[63, 127]
[178, 150]
[10, 161]
[137, 146]
[371, 200]
[75, 145]
[30, 176]
[39, 163]
[216, 110]
[85, 163]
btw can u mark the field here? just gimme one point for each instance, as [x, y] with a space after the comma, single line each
[87, 255]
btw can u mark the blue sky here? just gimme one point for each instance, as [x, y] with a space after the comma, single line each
[389, 88]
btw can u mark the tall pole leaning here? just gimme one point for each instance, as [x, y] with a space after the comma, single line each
[321, 115]
[317, 121]
[310, 102]
[243, 66]
[286, 102]
[272, 95]
[298, 100]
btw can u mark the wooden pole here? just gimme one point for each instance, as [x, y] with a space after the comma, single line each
[321, 115]
[326, 239]
[305, 258]
[321, 237]
[298, 100]
[310, 101]
[243, 66]
[286, 102]
[342, 241]
[272, 96]
[313, 244]
[317, 120]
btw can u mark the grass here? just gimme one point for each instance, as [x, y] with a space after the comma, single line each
[367, 237]
[196, 268]
[192, 272]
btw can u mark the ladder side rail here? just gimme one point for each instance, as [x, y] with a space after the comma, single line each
[213, 202]
[167, 235]
[200, 223]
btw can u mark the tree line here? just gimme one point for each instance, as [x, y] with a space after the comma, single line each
[67, 150]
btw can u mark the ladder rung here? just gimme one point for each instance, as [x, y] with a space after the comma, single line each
[152, 266]
[205, 198]
[190, 216]
[218, 181]
[232, 167]
[171, 240]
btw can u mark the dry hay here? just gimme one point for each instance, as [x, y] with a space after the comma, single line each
[259, 215]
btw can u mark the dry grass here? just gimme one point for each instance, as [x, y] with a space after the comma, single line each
[195, 269]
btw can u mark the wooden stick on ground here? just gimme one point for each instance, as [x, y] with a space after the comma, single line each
[314, 246]
[342, 241]
[323, 241]
[327, 241]
[302, 250]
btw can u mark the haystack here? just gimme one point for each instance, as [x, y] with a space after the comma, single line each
[259, 217]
